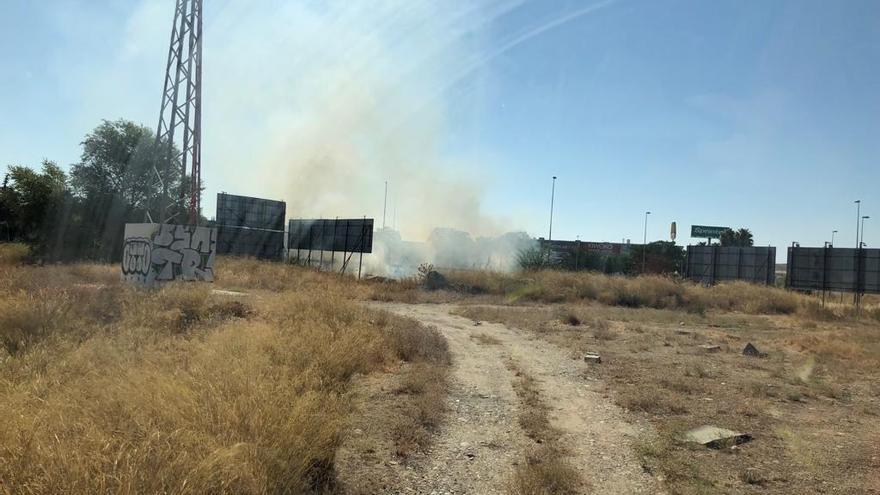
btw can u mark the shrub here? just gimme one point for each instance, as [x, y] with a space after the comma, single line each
[533, 258]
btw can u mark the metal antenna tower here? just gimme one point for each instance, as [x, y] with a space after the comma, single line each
[181, 111]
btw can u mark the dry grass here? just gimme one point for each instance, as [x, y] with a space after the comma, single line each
[12, 253]
[485, 339]
[811, 404]
[424, 384]
[656, 292]
[109, 389]
[544, 470]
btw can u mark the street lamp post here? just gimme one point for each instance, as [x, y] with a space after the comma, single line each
[832, 237]
[862, 238]
[858, 215]
[645, 243]
[552, 198]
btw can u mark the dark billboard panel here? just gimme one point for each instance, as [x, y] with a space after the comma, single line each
[344, 235]
[712, 264]
[836, 269]
[254, 213]
[239, 241]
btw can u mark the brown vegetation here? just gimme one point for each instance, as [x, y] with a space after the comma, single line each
[105, 388]
[810, 403]
[544, 468]
[657, 292]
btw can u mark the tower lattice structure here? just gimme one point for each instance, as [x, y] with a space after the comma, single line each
[180, 116]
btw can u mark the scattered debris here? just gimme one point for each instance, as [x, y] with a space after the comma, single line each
[222, 292]
[715, 437]
[710, 347]
[592, 357]
[477, 323]
[751, 350]
[752, 476]
[572, 320]
[434, 280]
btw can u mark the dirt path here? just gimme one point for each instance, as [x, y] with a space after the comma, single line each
[476, 450]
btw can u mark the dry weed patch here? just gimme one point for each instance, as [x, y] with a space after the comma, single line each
[810, 403]
[656, 292]
[544, 469]
[109, 389]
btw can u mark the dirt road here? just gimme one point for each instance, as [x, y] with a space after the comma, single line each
[477, 449]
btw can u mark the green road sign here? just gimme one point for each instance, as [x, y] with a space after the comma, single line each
[706, 231]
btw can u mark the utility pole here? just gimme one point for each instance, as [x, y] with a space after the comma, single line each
[552, 197]
[181, 109]
[862, 238]
[645, 244]
[385, 205]
[858, 215]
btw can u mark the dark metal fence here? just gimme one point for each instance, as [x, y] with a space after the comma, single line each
[712, 264]
[345, 235]
[241, 241]
[255, 213]
[250, 226]
[834, 269]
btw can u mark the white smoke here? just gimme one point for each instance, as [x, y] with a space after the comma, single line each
[318, 103]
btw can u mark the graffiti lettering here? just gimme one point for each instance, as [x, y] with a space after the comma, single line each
[136, 256]
[161, 253]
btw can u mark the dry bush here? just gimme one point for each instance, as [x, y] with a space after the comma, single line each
[651, 291]
[26, 318]
[650, 400]
[545, 471]
[752, 298]
[411, 341]
[177, 390]
[602, 330]
[12, 253]
[422, 411]
[570, 317]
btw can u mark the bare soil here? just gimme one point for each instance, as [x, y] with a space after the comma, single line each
[482, 441]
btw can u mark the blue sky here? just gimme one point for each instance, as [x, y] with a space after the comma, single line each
[756, 114]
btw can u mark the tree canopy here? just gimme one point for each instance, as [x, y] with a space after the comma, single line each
[741, 237]
[124, 175]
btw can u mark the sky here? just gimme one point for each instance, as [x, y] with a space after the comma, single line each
[757, 114]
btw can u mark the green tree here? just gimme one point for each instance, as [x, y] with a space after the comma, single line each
[533, 258]
[741, 237]
[33, 202]
[122, 167]
[660, 257]
[745, 237]
[581, 259]
[618, 263]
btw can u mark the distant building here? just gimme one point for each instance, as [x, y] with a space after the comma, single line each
[560, 249]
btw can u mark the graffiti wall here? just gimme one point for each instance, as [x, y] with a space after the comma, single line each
[155, 253]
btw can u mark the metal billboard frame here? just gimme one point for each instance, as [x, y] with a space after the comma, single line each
[248, 226]
[712, 264]
[243, 241]
[247, 211]
[854, 270]
[348, 236]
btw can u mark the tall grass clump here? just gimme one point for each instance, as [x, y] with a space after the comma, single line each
[181, 390]
[12, 253]
[649, 291]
